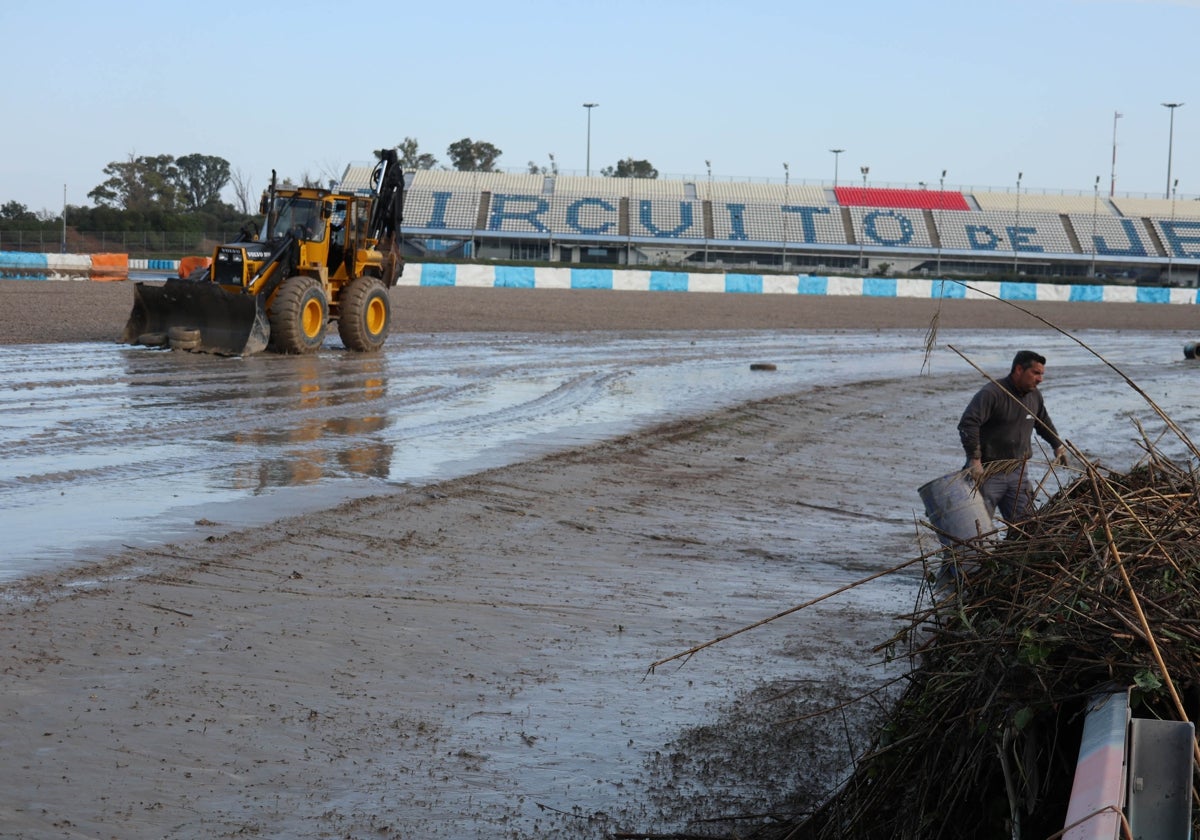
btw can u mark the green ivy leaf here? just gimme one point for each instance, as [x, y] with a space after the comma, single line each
[1147, 681]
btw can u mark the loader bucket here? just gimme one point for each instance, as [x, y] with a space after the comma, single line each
[230, 323]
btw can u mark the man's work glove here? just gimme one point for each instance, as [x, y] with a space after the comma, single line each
[1060, 456]
[975, 468]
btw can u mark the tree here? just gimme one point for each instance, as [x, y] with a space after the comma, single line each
[552, 169]
[141, 184]
[412, 158]
[15, 211]
[242, 190]
[201, 179]
[630, 168]
[469, 156]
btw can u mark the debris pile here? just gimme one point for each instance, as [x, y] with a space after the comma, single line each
[1099, 592]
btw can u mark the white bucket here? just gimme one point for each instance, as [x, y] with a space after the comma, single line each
[955, 509]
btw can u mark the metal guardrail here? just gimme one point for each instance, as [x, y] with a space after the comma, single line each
[144, 243]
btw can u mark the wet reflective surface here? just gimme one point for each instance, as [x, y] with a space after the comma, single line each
[108, 445]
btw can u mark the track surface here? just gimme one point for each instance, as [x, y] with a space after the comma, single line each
[105, 445]
[443, 660]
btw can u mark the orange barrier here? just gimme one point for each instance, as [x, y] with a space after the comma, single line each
[109, 267]
[189, 264]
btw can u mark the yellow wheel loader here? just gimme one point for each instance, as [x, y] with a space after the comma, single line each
[325, 256]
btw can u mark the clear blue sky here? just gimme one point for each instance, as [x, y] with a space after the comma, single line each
[983, 90]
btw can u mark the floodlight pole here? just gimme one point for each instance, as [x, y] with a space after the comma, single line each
[836, 154]
[1171, 106]
[589, 106]
[708, 166]
[862, 228]
[1017, 224]
[786, 202]
[941, 207]
[1095, 208]
[1171, 243]
[1112, 187]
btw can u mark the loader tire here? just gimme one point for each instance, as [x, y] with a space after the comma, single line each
[365, 314]
[298, 314]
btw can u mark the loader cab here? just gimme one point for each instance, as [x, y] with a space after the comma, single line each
[304, 217]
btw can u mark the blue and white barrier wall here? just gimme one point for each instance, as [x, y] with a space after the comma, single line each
[19, 265]
[521, 277]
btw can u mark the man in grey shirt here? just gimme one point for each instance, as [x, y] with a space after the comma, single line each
[996, 430]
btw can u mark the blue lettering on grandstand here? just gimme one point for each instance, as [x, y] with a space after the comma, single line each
[441, 200]
[1179, 234]
[501, 213]
[737, 220]
[573, 216]
[948, 289]
[1136, 247]
[1090, 294]
[591, 278]
[879, 286]
[807, 226]
[975, 234]
[438, 274]
[744, 283]
[1019, 237]
[514, 277]
[1018, 291]
[870, 228]
[1147, 294]
[809, 285]
[668, 281]
[645, 207]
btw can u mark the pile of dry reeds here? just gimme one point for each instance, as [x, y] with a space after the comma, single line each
[1100, 591]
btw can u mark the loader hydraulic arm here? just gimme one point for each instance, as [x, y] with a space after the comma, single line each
[387, 210]
[277, 267]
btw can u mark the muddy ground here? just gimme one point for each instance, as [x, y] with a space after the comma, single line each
[470, 659]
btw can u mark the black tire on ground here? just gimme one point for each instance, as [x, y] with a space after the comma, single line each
[153, 339]
[299, 314]
[183, 334]
[189, 345]
[365, 315]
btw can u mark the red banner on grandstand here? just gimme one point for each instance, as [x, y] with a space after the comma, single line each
[910, 199]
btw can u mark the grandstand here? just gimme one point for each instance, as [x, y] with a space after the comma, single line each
[799, 228]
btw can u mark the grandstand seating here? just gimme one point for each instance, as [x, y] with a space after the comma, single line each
[892, 227]
[901, 199]
[1117, 236]
[756, 222]
[1159, 207]
[1041, 203]
[594, 209]
[596, 185]
[441, 209]
[666, 219]
[989, 230]
[1180, 237]
[589, 215]
[794, 194]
